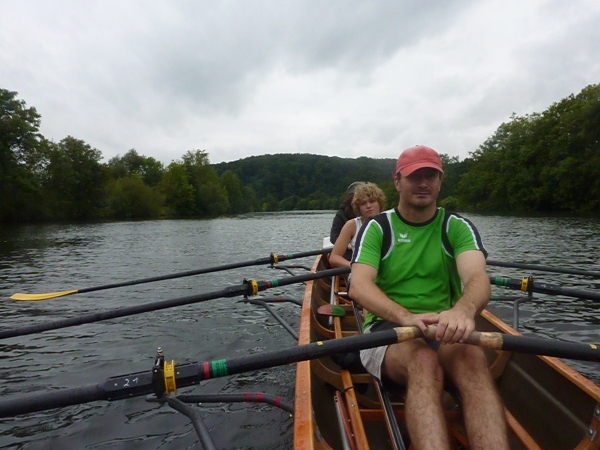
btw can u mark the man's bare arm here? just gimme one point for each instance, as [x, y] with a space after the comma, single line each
[458, 323]
[472, 270]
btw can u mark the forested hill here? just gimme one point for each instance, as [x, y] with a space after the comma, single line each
[301, 181]
[546, 162]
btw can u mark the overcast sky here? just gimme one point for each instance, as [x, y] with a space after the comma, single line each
[338, 78]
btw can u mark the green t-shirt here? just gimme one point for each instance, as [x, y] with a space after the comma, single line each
[415, 263]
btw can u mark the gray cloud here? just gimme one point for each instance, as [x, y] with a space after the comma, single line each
[344, 78]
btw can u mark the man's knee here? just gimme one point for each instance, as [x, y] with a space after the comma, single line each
[425, 367]
[401, 363]
[474, 357]
[468, 363]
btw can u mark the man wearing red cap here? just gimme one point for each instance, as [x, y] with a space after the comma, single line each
[409, 268]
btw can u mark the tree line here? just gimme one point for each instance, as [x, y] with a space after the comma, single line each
[42, 180]
[543, 162]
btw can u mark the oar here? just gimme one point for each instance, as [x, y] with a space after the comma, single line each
[273, 259]
[141, 383]
[535, 346]
[528, 285]
[251, 287]
[589, 273]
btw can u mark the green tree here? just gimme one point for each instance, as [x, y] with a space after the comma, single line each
[287, 175]
[211, 197]
[75, 181]
[235, 193]
[544, 162]
[289, 203]
[270, 203]
[391, 194]
[132, 163]
[21, 154]
[178, 191]
[131, 198]
[453, 171]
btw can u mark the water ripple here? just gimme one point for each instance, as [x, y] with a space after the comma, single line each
[52, 258]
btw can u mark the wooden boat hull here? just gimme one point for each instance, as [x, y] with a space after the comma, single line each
[548, 405]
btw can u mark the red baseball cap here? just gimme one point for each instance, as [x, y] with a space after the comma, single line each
[418, 157]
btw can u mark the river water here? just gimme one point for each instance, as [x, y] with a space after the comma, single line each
[52, 258]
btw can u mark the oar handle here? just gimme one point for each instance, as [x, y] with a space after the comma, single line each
[531, 345]
[536, 346]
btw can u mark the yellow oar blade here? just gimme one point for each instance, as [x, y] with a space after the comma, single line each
[35, 297]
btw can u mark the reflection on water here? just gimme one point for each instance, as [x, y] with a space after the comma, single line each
[59, 257]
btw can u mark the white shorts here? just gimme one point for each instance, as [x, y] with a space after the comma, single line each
[372, 358]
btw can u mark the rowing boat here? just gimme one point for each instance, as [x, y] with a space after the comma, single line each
[548, 405]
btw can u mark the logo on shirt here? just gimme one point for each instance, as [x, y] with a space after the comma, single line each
[403, 237]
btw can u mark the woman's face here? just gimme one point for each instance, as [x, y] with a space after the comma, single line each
[369, 207]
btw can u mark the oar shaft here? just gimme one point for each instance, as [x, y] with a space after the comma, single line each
[589, 273]
[314, 350]
[272, 259]
[122, 312]
[232, 291]
[301, 278]
[172, 276]
[56, 399]
[140, 383]
[527, 285]
[536, 346]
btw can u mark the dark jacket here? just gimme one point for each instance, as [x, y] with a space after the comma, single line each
[338, 223]
[343, 215]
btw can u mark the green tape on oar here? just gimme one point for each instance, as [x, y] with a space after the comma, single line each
[529, 285]
[500, 281]
[331, 310]
[219, 368]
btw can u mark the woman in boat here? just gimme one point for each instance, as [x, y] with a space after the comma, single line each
[368, 202]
